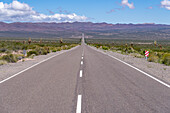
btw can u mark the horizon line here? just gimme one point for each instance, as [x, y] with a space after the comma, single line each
[90, 22]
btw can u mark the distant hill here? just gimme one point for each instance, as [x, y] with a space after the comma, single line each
[147, 31]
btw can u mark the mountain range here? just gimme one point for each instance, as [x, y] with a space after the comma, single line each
[146, 31]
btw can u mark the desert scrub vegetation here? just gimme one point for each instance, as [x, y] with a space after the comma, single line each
[2, 62]
[158, 52]
[12, 51]
[10, 58]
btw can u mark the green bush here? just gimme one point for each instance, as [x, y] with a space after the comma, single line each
[105, 47]
[3, 50]
[54, 50]
[166, 59]
[31, 52]
[2, 62]
[46, 49]
[142, 52]
[41, 51]
[25, 47]
[9, 58]
[44, 52]
[58, 48]
[153, 58]
[32, 56]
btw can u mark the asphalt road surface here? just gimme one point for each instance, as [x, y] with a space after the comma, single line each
[83, 80]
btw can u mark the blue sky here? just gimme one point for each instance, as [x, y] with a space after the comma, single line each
[110, 11]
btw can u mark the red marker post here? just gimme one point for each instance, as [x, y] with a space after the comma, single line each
[146, 54]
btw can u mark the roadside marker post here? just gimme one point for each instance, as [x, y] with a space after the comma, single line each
[146, 54]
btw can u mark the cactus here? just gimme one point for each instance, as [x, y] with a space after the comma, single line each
[160, 46]
[126, 45]
[40, 40]
[155, 43]
[24, 42]
[61, 41]
[29, 41]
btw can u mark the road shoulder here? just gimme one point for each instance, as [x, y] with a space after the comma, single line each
[10, 69]
[158, 70]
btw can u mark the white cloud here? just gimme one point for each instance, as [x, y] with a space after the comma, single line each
[126, 3]
[166, 4]
[16, 12]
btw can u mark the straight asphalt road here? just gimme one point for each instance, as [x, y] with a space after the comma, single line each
[110, 86]
[83, 80]
[49, 87]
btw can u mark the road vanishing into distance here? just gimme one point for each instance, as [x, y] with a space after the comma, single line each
[83, 80]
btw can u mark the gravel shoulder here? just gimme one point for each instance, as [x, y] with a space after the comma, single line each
[155, 69]
[10, 69]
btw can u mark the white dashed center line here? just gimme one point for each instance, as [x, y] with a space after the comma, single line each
[81, 73]
[81, 57]
[81, 62]
[78, 104]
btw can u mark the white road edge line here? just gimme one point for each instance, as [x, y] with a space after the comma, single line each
[34, 65]
[79, 104]
[137, 69]
[81, 73]
[81, 62]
